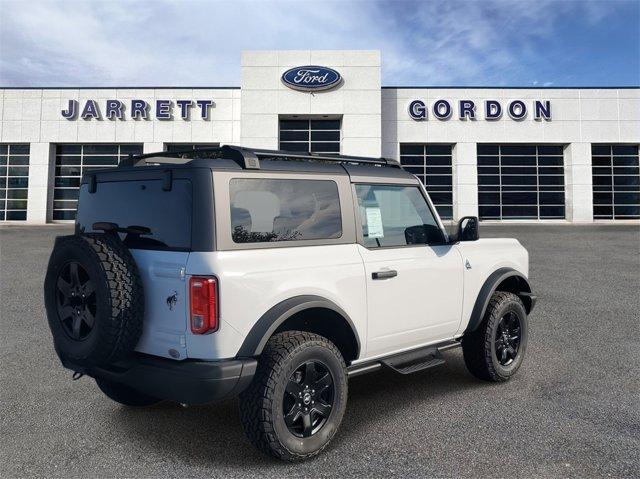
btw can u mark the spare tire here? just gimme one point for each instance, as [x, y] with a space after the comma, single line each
[94, 300]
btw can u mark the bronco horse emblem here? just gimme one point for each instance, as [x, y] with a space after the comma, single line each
[172, 300]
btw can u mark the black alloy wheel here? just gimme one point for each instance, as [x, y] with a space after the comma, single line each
[308, 399]
[507, 340]
[76, 301]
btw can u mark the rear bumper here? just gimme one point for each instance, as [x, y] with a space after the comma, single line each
[188, 381]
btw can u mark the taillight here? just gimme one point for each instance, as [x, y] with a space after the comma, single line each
[203, 294]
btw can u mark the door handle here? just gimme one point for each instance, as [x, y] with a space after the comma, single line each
[386, 274]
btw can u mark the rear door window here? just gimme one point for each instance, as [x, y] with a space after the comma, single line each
[268, 210]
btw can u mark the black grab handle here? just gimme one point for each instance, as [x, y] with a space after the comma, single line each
[392, 273]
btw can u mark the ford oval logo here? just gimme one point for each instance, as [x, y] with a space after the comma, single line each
[311, 78]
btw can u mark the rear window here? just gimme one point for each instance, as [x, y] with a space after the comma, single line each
[141, 203]
[266, 210]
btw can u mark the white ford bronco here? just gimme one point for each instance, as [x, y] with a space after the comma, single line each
[275, 276]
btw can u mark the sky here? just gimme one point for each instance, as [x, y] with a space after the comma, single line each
[441, 43]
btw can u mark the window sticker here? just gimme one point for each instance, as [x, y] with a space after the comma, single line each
[374, 223]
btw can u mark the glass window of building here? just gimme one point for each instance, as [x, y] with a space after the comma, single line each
[14, 182]
[318, 136]
[521, 182]
[72, 161]
[616, 181]
[432, 165]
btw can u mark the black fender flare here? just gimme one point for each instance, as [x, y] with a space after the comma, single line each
[489, 287]
[264, 328]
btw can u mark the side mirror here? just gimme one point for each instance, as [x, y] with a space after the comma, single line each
[468, 229]
[423, 234]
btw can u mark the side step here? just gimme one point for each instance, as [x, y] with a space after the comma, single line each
[413, 361]
[407, 362]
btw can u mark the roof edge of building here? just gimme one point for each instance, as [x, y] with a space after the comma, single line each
[119, 87]
[533, 87]
[391, 87]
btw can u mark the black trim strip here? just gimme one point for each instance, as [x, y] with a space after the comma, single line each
[264, 328]
[487, 290]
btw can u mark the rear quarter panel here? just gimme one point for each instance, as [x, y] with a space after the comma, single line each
[253, 281]
[486, 256]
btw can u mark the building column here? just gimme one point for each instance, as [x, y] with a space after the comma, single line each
[41, 158]
[578, 183]
[152, 147]
[465, 180]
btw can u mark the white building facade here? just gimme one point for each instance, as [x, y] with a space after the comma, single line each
[503, 154]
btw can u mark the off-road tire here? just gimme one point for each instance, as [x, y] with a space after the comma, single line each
[479, 348]
[119, 299]
[125, 395]
[261, 403]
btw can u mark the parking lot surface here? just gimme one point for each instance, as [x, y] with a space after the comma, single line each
[572, 410]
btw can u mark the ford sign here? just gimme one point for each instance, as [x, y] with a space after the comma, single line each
[311, 78]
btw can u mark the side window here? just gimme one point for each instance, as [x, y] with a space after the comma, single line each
[265, 210]
[396, 216]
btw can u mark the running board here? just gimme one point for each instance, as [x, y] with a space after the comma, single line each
[414, 361]
[359, 369]
[407, 362]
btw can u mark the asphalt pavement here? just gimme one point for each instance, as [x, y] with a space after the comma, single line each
[573, 410]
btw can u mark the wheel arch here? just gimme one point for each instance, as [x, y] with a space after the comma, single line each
[503, 279]
[304, 313]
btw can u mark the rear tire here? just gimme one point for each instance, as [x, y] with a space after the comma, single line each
[297, 399]
[495, 351]
[125, 395]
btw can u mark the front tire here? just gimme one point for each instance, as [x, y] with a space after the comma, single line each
[495, 351]
[297, 399]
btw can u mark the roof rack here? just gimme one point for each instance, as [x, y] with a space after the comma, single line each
[248, 158]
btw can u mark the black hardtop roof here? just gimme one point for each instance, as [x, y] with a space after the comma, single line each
[197, 165]
[240, 158]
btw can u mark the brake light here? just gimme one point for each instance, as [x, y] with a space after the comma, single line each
[203, 295]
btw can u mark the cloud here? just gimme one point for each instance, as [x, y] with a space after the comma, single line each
[198, 43]
[489, 43]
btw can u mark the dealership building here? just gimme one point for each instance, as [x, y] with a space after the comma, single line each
[503, 154]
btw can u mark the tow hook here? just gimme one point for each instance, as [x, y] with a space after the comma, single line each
[77, 375]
